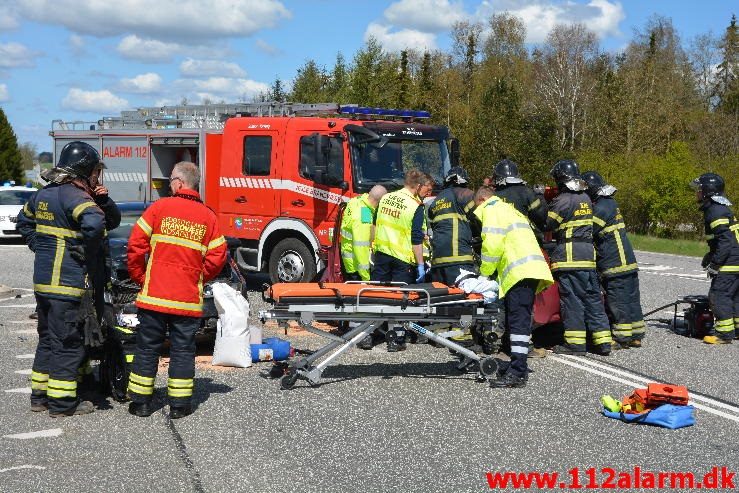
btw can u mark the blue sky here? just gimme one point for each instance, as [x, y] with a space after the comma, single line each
[83, 59]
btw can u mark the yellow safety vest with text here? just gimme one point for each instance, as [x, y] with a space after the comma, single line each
[393, 225]
[356, 231]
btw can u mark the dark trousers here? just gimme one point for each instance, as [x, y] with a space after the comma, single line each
[519, 303]
[388, 268]
[724, 299]
[150, 336]
[623, 305]
[581, 309]
[59, 354]
[449, 273]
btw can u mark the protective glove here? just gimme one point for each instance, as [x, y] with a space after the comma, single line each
[712, 270]
[706, 260]
[77, 252]
[421, 271]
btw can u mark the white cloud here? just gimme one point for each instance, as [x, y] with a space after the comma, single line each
[93, 101]
[205, 68]
[400, 40]
[217, 89]
[267, 48]
[540, 16]
[425, 15]
[8, 21]
[147, 83]
[4, 96]
[16, 55]
[147, 50]
[77, 42]
[183, 20]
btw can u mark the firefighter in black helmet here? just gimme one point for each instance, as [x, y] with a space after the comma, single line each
[616, 264]
[722, 261]
[64, 226]
[570, 218]
[511, 188]
[452, 222]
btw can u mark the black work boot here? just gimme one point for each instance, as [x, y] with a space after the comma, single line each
[141, 409]
[366, 343]
[602, 349]
[567, 349]
[395, 340]
[84, 407]
[177, 412]
[38, 406]
[508, 381]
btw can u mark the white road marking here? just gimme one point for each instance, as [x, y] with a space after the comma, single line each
[692, 277]
[26, 331]
[19, 306]
[637, 381]
[26, 356]
[655, 267]
[13, 246]
[22, 390]
[53, 432]
[29, 321]
[24, 466]
[24, 372]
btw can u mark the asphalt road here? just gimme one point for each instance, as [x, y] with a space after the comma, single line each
[381, 422]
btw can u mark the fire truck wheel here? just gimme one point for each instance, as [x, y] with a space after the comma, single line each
[291, 261]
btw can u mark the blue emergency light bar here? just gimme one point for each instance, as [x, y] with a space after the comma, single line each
[368, 111]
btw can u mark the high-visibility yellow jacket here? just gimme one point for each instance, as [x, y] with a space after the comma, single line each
[393, 225]
[356, 231]
[509, 247]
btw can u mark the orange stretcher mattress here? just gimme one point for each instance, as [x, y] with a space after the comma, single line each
[339, 293]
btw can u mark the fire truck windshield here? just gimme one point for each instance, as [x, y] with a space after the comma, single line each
[374, 164]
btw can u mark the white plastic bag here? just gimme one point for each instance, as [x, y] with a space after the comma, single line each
[232, 337]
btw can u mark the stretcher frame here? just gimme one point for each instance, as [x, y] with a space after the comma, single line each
[371, 316]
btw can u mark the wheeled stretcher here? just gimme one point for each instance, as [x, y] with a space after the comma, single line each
[370, 305]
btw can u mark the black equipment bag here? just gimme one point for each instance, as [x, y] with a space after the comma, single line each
[117, 360]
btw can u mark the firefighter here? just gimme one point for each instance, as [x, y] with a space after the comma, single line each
[616, 265]
[357, 229]
[452, 220]
[511, 188]
[511, 253]
[174, 248]
[63, 226]
[722, 260]
[570, 217]
[399, 235]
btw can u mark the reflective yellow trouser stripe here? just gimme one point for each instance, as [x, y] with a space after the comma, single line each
[736, 322]
[725, 325]
[180, 387]
[638, 327]
[575, 336]
[59, 389]
[602, 337]
[39, 380]
[622, 329]
[140, 385]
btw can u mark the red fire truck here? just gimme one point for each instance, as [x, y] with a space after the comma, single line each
[275, 173]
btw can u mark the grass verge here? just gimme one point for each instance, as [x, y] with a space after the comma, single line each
[691, 248]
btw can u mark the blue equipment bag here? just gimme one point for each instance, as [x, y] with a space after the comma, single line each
[667, 416]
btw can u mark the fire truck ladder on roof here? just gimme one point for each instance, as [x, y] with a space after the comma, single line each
[213, 116]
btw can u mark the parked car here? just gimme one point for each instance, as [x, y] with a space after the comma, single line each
[122, 291]
[12, 199]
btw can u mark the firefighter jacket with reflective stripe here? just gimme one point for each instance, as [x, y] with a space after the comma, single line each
[185, 248]
[570, 218]
[525, 201]
[356, 232]
[613, 253]
[450, 215]
[394, 224]
[722, 233]
[509, 247]
[55, 219]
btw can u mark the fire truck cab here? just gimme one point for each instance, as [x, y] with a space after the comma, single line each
[275, 173]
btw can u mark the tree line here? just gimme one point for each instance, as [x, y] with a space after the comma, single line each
[650, 118]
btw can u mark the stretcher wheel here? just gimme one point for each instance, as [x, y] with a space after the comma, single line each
[288, 381]
[488, 366]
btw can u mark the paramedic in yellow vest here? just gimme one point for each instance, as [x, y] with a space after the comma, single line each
[357, 230]
[511, 254]
[399, 235]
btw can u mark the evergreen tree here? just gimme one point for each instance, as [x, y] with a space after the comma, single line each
[728, 69]
[365, 88]
[404, 81]
[309, 85]
[338, 86]
[277, 91]
[11, 160]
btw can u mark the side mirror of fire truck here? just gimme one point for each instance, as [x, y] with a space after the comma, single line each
[454, 152]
